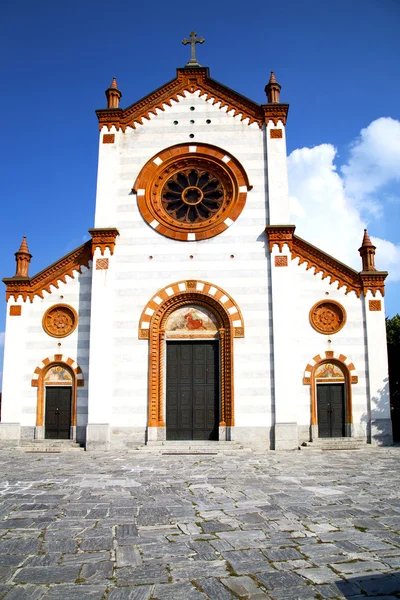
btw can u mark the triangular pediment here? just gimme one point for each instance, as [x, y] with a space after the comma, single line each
[191, 80]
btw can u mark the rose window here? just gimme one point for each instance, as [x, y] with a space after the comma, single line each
[191, 192]
[192, 196]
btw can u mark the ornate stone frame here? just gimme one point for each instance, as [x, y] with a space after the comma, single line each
[156, 336]
[158, 169]
[38, 381]
[350, 376]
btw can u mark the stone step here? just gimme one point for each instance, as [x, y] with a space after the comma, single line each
[54, 446]
[192, 447]
[345, 443]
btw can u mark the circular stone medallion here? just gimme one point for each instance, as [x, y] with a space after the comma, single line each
[327, 317]
[60, 320]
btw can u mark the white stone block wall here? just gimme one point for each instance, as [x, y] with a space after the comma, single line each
[137, 277]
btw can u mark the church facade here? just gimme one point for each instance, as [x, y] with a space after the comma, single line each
[195, 312]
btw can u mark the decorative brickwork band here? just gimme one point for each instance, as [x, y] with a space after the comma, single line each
[275, 133]
[101, 264]
[281, 261]
[108, 138]
[38, 381]
[375, 305]
[103, 238]
[350, 375]
[154, 317]
[15, 311]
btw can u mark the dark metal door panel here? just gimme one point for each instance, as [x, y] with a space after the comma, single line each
[337, 407]
[58, 413]
[192, 399]
[330, 408]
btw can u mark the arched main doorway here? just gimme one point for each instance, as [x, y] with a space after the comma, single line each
[190, 326]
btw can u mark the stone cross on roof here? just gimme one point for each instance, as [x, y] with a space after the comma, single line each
[193, 41]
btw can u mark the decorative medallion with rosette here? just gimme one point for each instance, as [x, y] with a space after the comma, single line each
[60, 320]
[191, 192]
[327, 316]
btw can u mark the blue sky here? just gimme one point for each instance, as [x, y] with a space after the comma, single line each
[337, 62]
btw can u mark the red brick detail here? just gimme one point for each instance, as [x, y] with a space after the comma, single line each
[58, 357]
[354, 379]
[306, 380]
[280, 235]
[15, 311]
[101, 264]
[108, 138]
[329, 353]
[281, 261]
[375, 305]
[342, 358]
[275, 133]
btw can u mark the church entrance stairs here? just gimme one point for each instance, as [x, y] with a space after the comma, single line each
[54, 446]
[336, 443]
[194, 447]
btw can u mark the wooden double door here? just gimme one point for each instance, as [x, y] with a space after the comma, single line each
[58, 413]
[192, 398]
[331, 410]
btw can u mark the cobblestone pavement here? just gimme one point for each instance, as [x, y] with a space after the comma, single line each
[139, 526]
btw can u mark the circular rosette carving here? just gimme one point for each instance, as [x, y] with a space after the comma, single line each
[327, 317]
[191, 193]
[60, 320]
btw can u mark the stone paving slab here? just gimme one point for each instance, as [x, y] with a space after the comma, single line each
[137, 526]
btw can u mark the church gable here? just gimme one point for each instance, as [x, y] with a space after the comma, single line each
[188, 81]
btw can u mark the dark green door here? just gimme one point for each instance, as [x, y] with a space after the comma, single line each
[58, 413]
[330, 407]
[192, 390]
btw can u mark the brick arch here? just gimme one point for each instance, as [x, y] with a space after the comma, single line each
[38, 381]
[204, 290]
[350, 375]
[151, 327]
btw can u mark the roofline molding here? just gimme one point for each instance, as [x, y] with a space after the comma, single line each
[191, 79]
[313, 257]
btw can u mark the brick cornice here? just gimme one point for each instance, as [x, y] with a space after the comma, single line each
[280, 235]
[373, 281]
[103, 237]
[42, 281]
[190, 80]
[275, 112]
[353, 281]
[68, 265]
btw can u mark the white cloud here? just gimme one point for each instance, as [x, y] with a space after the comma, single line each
[373, 162]
[328, 206]
[2, 336]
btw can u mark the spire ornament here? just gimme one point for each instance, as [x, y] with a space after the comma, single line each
[113, 94]
[272, 89]
[23, 258]
[193, 41]
[367, 252]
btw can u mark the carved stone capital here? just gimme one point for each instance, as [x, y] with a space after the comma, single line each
[373, 281]
[103, 238]
[280, 235]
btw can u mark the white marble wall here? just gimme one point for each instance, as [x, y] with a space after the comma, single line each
[137, 278]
